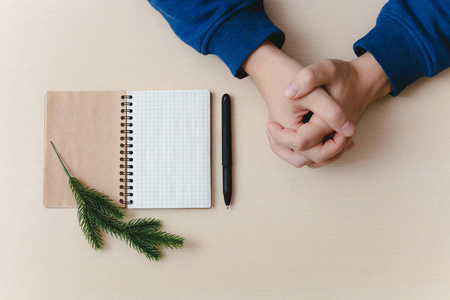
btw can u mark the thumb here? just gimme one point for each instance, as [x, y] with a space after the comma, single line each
[307, 79]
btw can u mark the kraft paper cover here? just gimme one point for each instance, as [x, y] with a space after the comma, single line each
[85, 128]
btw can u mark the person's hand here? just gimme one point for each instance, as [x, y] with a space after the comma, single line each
[355, 85]
[272, 70]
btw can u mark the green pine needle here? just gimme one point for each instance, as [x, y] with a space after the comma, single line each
[97, 212]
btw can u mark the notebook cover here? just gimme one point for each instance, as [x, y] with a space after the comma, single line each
[85, 129]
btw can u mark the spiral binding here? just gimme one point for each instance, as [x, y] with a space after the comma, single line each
[126, 158]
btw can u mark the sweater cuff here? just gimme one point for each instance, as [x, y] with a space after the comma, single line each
[396, 50]
[241, 34]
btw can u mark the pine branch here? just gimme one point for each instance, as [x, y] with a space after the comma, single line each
[97, 212]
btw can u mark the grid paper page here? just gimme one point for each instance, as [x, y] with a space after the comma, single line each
[171, 149]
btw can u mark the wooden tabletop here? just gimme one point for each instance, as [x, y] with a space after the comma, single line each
[374, 225]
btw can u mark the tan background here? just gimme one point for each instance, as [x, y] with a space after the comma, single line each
[375, 225]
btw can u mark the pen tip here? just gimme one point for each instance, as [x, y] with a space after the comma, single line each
[228, 206]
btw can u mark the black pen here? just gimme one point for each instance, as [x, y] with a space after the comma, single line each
[226, 148]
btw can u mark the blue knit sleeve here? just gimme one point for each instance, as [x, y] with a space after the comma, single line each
[230, 29]
[411, 39]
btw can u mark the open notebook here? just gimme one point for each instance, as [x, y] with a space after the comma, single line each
[144, 149]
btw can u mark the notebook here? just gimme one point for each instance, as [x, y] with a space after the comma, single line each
[144, 149]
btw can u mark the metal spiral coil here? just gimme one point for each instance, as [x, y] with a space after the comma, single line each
[126, 153]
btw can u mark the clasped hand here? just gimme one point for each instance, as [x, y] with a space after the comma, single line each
[336, 92]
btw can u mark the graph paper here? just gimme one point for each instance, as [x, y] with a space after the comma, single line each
[171, 149]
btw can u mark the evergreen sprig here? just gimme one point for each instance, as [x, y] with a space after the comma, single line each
[97, 212]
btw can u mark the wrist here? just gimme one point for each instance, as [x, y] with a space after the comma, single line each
[264, 58]
[373, 79]
[271, 70]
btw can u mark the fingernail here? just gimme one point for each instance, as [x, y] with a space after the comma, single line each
[348, 129]
[291, 90]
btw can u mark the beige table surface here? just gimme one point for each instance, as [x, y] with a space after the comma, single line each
[375, 225]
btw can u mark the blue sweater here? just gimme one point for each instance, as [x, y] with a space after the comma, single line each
[411, 38]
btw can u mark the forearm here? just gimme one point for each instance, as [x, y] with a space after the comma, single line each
[411, 39]
[371, 78]
[230, 29]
